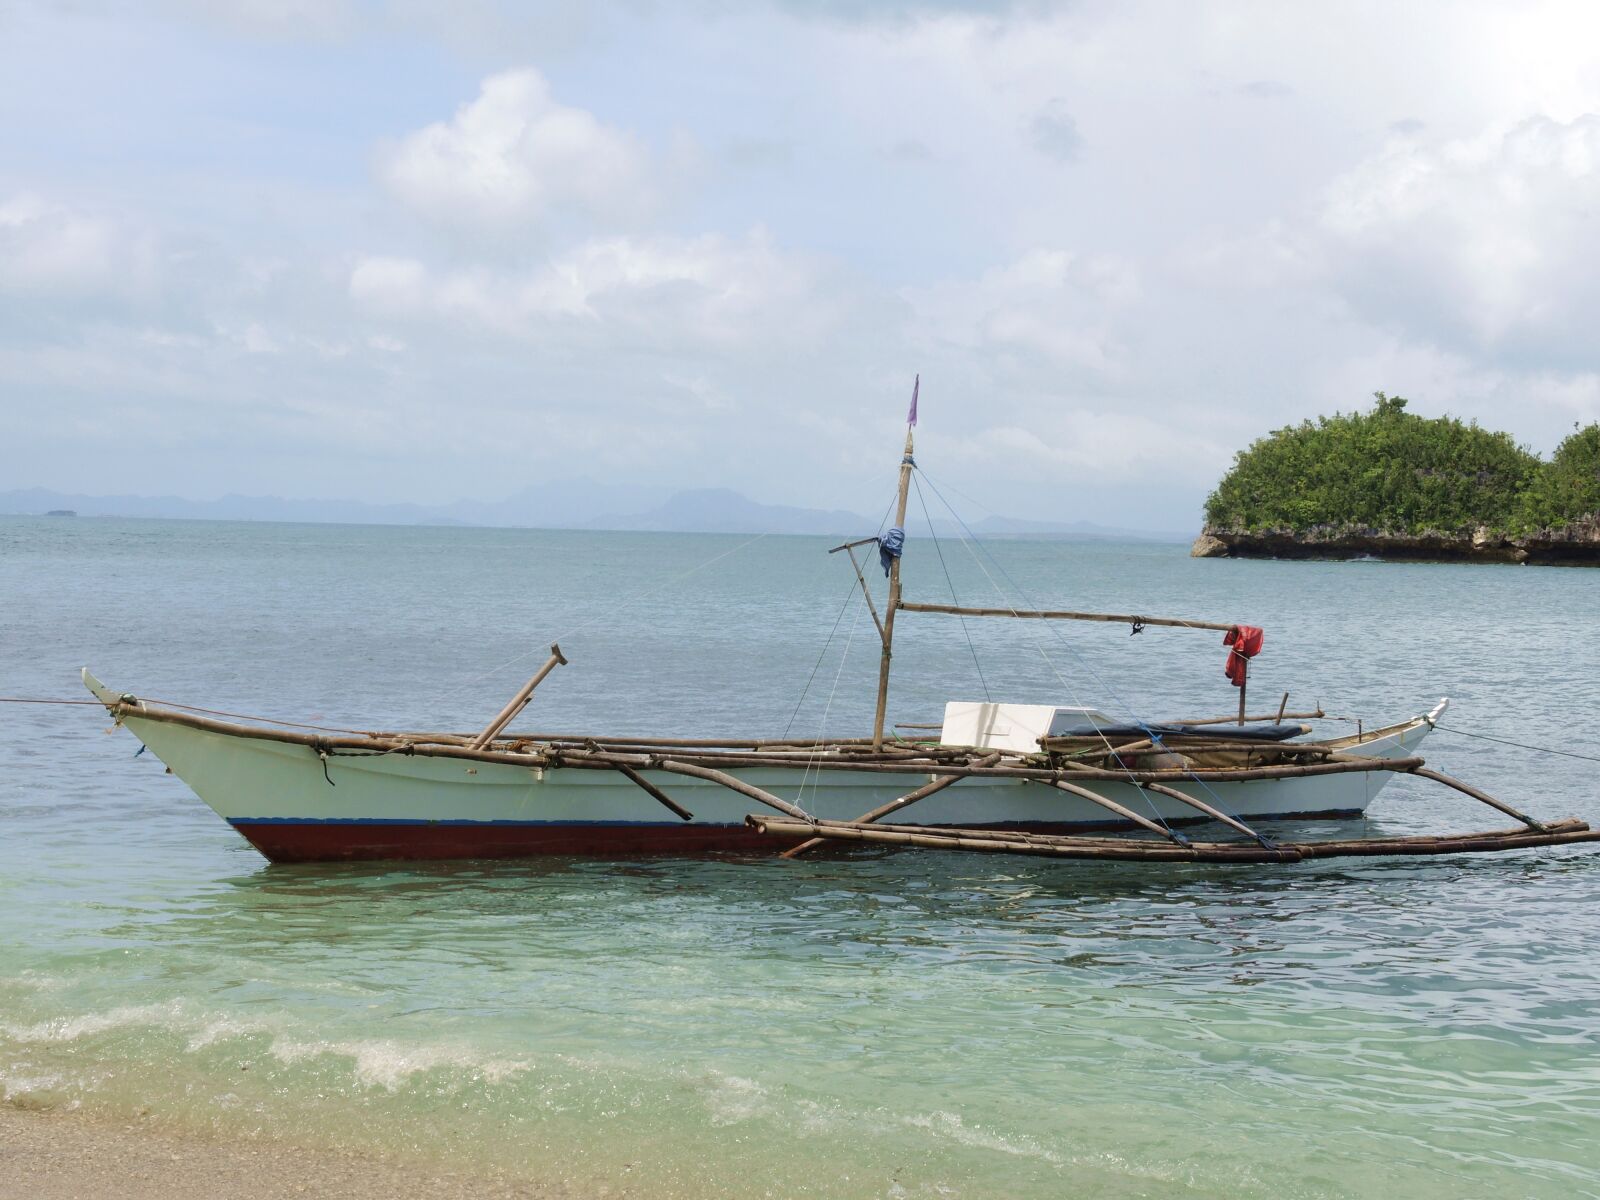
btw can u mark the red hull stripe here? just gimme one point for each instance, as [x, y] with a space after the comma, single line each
[292, 840]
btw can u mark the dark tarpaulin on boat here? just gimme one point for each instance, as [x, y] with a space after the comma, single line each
[1227, 733]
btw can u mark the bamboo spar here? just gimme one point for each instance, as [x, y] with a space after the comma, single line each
[520, 700]
[893, 602]
[934, 785]
[1007, 842]
[654, 792]
[957, 610]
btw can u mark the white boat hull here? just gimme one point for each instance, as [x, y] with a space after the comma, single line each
[296, 806]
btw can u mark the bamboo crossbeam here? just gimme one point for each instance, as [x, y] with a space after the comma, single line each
[911, 760]
[1082, 773]
[894, 806]
[737, 785]
[732, 759]
[1216, 814]
[1121, 810]
[956, 610]
[1099, 747]
[583, 739]
[656, 793]
[1484, 797]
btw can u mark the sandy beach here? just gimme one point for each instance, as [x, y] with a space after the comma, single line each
[72, 1156]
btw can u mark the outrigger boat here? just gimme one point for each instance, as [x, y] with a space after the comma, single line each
[1063, 781]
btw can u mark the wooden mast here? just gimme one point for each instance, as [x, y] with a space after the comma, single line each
[894, 598]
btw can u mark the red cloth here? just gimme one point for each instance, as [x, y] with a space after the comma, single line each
[1246, 642]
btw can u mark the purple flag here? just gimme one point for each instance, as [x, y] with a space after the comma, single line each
[911, 417]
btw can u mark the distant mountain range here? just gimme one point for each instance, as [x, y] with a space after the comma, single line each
[570, 504]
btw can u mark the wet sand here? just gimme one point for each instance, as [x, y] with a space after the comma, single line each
[70, 1156]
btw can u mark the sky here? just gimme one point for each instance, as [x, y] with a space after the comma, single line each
[397, 251]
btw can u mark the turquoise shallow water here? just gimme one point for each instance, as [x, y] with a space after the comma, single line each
[878, 1025]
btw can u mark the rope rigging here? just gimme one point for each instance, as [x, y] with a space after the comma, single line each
[832, 633]
[977, 666]
[969, 541]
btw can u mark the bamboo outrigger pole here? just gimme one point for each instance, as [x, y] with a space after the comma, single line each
[906, 463]
[520, 700]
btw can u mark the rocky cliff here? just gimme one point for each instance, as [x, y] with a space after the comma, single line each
[1576, 544]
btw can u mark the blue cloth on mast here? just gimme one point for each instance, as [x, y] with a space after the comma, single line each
[890, 546]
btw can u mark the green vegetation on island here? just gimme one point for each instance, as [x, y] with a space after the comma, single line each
[1565, 490]
[1390, 472]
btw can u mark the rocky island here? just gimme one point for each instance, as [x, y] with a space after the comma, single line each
[1389, 484]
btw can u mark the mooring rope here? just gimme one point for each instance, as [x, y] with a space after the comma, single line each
[39, 700]
[1519, 745]
[215, 712]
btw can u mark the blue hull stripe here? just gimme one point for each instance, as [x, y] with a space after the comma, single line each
[474, 824]
[1335, 814]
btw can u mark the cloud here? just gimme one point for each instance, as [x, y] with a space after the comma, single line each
[1266, 89]
[1055, 133]
[275, 20]
[1049, 309]
[1104, 443]
[390, 285]
[50, 250]
[900, 12]
[531, 263]
[514, 156]
[761, 152]
[908, 150]
[1490, 244]
[690, 293]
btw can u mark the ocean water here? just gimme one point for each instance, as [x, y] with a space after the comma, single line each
[873, 1024]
